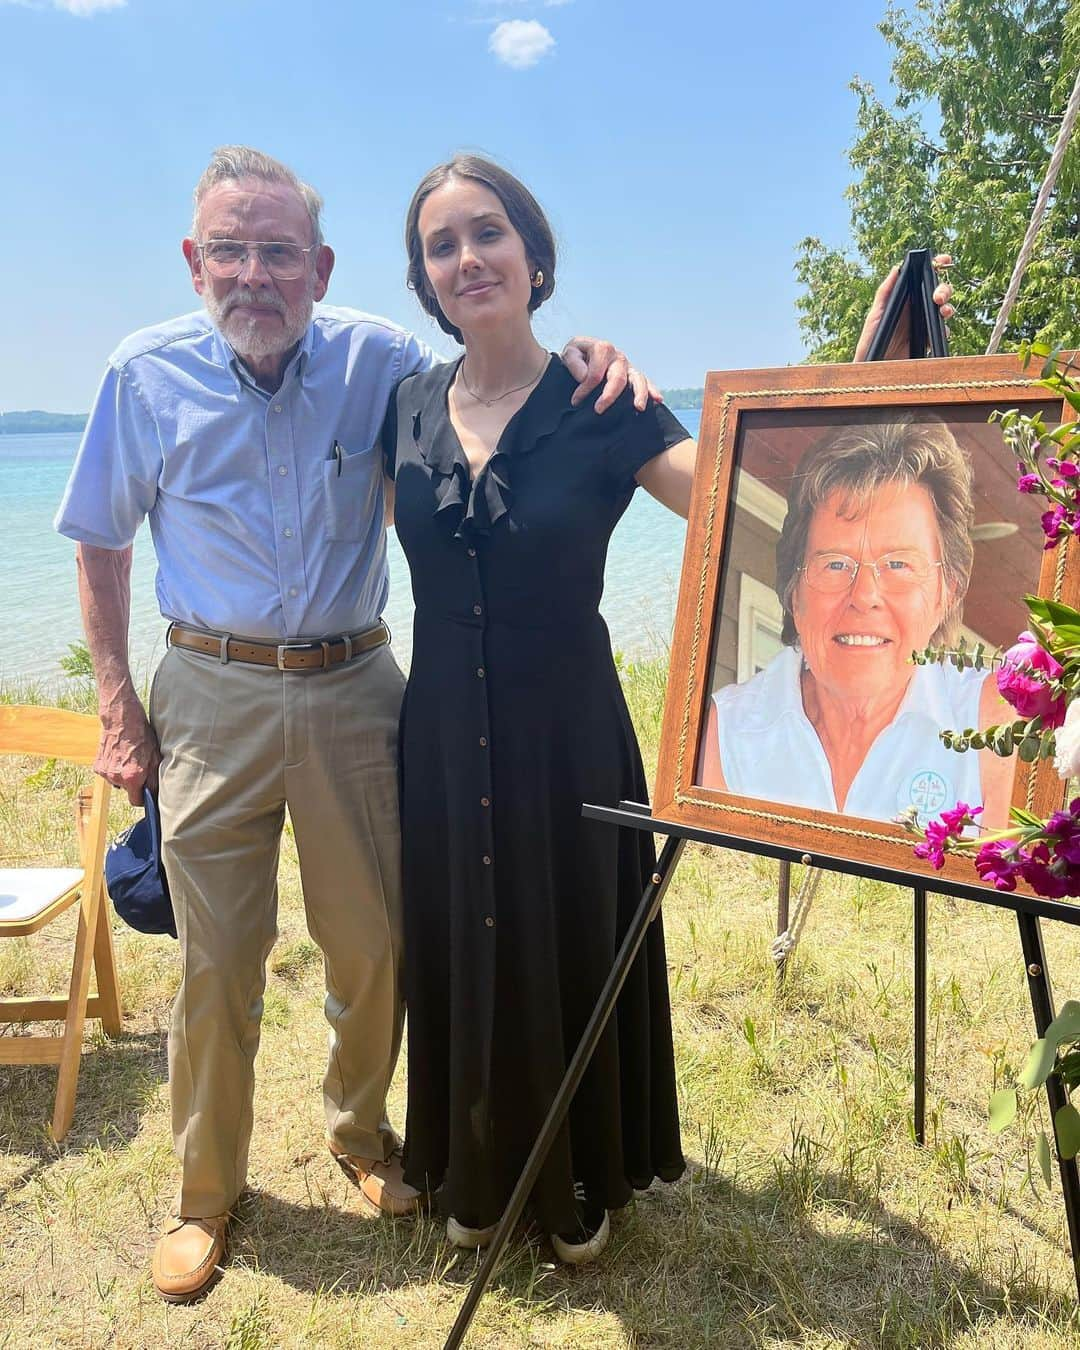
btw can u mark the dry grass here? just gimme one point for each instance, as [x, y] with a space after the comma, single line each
[807, 1218]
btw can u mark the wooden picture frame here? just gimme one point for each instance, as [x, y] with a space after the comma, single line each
[757, 428]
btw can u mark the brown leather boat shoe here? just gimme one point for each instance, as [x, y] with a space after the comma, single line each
[382, 1185]
[188, 1256]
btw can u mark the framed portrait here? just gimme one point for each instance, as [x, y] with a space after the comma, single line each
[844, 517]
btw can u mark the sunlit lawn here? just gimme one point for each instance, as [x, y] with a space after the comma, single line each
[808, 1216]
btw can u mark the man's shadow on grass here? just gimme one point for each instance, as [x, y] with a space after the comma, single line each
[705, 1263]
[119, 1078]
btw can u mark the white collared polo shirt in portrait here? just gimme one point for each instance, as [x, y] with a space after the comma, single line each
[769, 749]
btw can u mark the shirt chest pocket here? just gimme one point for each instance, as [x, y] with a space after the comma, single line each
[351, 487]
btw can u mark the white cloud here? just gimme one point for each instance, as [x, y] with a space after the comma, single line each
[80, 8]
[84, 8]
[520, 43]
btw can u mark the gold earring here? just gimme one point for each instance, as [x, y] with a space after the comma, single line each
[538, 280]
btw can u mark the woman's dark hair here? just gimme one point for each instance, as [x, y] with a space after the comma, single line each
[522, 210]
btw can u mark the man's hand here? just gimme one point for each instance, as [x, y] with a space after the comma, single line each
[128, 756]
[589, 360]
[899, 346]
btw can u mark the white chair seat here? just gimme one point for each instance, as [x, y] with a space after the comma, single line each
[26, 891]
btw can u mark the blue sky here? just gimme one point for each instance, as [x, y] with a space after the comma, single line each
[681, 150]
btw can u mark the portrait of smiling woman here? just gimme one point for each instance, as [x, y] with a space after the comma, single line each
[873, 562]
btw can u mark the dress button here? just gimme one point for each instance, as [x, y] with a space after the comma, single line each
[287, 532]
[483, 740]
[478, 609]
[277, 407]
[282, 470]
[486, 860]
[489, 921]
[479, 672]
[485, 801]
[471, 552]
[293, 591]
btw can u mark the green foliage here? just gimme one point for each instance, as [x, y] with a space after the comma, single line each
[1055, 1053]
[77, 664]
[684, 398]
[955, 165]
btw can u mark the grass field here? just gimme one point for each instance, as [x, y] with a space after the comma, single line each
[808, 1217]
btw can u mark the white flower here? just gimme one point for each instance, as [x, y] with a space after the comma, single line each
[1067, 743]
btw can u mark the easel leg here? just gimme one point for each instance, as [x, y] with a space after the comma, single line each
[783, 913]
[920, 1014]
[635, 935]
[1042, 1005]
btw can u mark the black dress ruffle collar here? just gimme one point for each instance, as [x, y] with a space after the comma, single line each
[472, 506]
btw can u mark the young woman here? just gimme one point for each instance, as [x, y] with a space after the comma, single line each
[506, 496]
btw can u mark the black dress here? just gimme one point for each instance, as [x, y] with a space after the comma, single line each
[513, 717]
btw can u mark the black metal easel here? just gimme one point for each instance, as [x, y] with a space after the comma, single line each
[633, 815]
[912, 301]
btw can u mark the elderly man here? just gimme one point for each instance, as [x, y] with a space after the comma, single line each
[247, 433]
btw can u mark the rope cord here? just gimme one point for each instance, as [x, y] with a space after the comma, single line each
[1068, 122]
[782, 946]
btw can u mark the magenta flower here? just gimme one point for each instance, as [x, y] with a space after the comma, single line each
[1029, 482]
[1047, 877]
[933, 847]
[1066, 467]
[938, 833]
[1052, 522]
[1024, 678]
[1063, 832]
[1000, 862]
[959, 816]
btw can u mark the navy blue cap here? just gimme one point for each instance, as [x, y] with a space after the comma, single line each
[135, 877]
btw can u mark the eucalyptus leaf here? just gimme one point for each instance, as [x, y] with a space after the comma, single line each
[1042, 1152]
[1039, 1064]
[1002, 1109]
[1029, 749]
[1066, 1025]
[1067, 1126]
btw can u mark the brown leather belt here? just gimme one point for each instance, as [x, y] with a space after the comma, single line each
[284, 655]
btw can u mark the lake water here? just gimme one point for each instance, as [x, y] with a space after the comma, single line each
[39, 611]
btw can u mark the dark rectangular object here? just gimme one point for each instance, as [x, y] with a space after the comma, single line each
[913, 292]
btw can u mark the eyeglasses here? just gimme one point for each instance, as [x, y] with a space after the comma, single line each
[226, 257]
[899, 571]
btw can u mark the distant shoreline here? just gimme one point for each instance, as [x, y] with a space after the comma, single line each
[45, 423]
[40, 423]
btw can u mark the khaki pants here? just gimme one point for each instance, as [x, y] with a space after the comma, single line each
[239, 744]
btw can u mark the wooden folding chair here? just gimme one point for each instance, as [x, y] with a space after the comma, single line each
[32, 897]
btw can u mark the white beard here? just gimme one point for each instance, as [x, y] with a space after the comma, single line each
[244, 334]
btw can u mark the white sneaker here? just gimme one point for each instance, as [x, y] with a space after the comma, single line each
[469, 1238]
[593, 1241]
[577, 1253]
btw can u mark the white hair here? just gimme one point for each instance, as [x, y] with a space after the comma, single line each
[230, 163]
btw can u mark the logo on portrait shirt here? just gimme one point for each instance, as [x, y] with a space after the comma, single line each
[928, 791]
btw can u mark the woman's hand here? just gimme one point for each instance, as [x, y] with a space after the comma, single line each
[591, 360]
[899, 346]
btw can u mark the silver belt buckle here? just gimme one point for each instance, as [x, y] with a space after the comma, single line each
[284, 647]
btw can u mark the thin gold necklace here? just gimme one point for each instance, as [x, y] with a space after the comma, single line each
[490, 402]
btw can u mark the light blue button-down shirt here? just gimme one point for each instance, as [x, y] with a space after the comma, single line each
[266, 510]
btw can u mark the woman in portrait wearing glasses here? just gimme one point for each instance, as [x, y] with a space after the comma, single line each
[873, 563]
